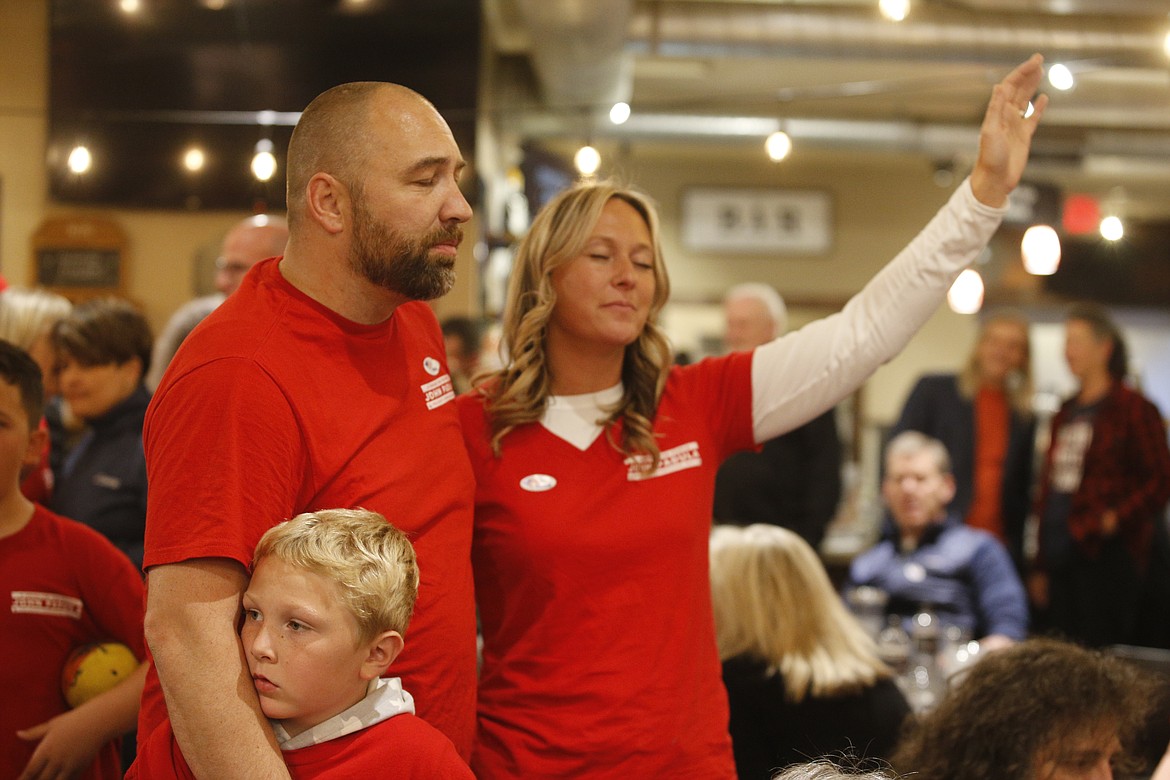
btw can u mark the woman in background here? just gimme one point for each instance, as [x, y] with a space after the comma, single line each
[984, 417]
[103, 349]
[803, 678]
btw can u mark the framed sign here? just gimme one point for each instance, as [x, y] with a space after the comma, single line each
[79, 257]
[758, 221]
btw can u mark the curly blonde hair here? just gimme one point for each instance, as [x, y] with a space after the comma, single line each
[372, 562]
[518, 393]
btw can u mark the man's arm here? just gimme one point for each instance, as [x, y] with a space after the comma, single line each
[192, 610]
[1003, 605]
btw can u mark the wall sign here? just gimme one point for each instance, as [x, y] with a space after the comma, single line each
[726, 220]
[80, 256]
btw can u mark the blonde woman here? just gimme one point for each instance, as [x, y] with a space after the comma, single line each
[27, 317]
[984, 416]
[595, 461]
[803, 678]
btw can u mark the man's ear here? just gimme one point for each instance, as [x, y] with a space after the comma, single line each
[948, 489]
[327, 202]
[383, 649]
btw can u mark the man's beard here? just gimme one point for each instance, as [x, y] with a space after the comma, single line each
[401, 264]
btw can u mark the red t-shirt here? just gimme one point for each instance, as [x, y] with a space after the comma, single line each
[66, 585]
[404, 747]
[276, 405]
[599, 653]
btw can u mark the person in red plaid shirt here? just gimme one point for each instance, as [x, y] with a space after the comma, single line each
[1103, 491]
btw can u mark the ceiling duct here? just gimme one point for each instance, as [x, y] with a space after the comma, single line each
[578, 51]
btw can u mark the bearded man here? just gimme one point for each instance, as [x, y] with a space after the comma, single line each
[321, 382]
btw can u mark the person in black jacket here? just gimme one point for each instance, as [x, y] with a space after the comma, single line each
[803, 678]
[103, 351]
[794, 480]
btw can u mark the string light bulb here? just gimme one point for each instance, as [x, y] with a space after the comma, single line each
[264, 162]
[587, 160]
[1060, 77]
[894, 10]
[778, 145]
[194, 159]
[1112, 228]
[80, 160]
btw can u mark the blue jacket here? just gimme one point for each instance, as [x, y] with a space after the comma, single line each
[937, 408]
[106, 486]
[963, 573]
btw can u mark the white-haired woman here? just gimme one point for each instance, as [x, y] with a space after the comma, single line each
[803, 678]
[595, 461]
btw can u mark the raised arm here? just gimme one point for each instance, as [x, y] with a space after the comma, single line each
[192, 609]
[802, 374]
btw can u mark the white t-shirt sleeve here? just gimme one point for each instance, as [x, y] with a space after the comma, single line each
[802, 374]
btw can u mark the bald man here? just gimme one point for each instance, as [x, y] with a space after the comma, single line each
[247, 243]
[320, 383]
[794, 480]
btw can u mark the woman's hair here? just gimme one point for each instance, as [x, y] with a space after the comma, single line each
[824, 769]
[28, 315]
[519, 392]
[1019, 388]
[103, 331]
[1103, 327]
[371, 561]
[1017, 706]
[773, 601]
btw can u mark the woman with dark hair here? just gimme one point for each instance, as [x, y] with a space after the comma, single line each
[1103, 490]
[1040, 710]
[595, 461]
[103, 351]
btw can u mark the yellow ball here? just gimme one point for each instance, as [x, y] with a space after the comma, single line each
[95, 668]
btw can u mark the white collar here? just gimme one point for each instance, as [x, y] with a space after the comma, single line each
[578, 419]
[384, 699]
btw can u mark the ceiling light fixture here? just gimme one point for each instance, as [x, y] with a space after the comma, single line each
[966, 294]
[1060, 77]
[619, 113]
[80, 160]
[587, 160]
[1040, 249]
[264, 162]
[778, 145]
[894, 10]
[1112, 228]
[194, 159]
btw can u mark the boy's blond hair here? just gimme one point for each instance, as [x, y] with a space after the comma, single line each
[372, 562]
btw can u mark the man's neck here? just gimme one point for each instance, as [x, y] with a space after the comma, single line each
[341, 289]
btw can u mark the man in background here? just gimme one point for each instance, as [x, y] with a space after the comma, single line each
[930, 558]
[250, 241]
[794, 480]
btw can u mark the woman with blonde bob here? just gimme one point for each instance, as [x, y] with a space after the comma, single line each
[595, 464]
[803, 678]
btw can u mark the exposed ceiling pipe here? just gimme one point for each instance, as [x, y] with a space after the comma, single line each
[711, 29]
